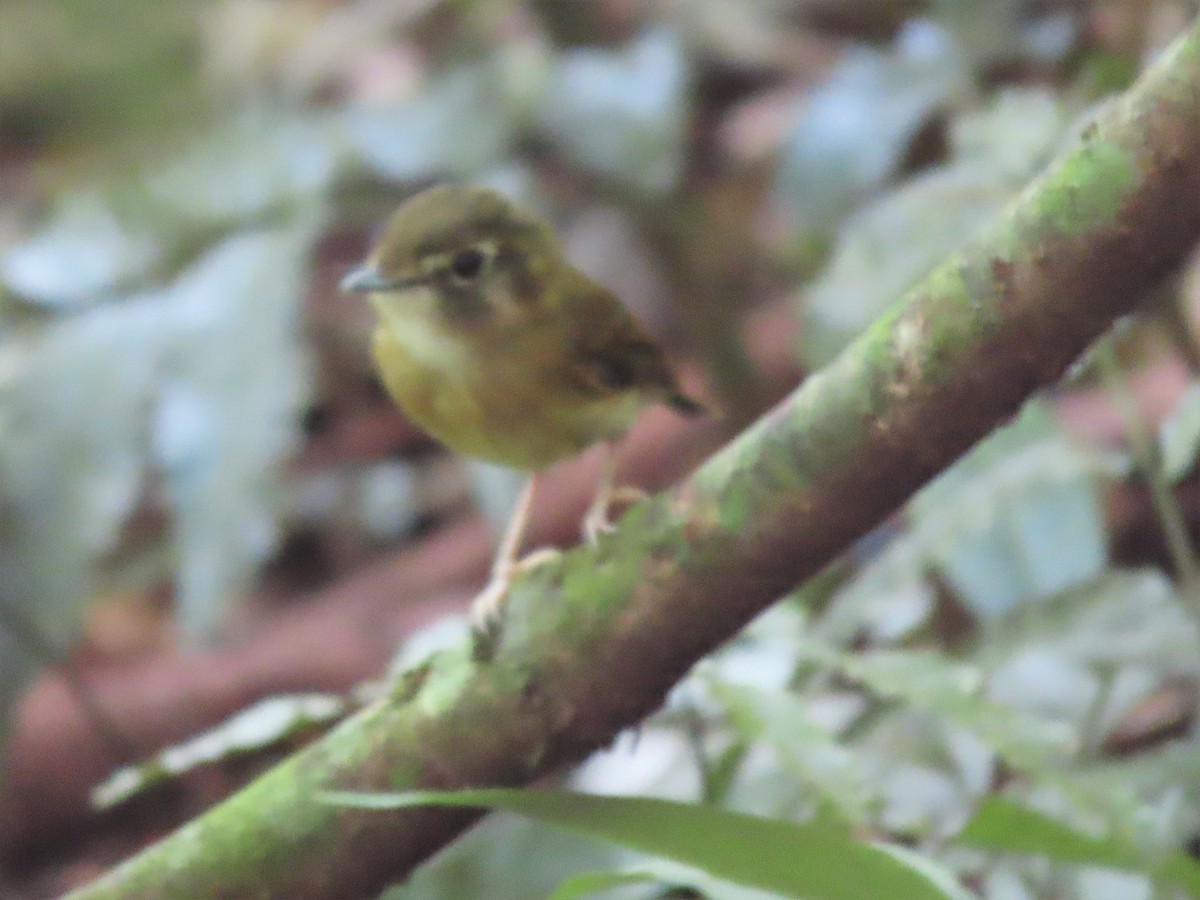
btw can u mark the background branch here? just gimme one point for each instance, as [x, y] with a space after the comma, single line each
[592, 645]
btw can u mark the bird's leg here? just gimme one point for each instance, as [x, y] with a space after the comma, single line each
[488, 604]
[596, 521]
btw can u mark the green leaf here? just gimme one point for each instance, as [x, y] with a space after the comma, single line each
[666, 875]
[1001, 824]
[819, 861]
[586, 883]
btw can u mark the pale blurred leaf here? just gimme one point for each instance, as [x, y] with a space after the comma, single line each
[266, 723]
[886, 600]
[764, 654]
[1179, 438]
[1046, 683]
[495, 489]
[886, 247]
[1005, 883]
[622, 113]
[228, 411]
[99, 242]
[1016, 134]
[995, 31]
[1114, 789]
[254, 164]
[919, 799]
[803, 745]
[741, 33]
[1122, 617]
[656, 759]
[87, 248]
[857, 126]
[74, 410]
[1017, 519]
[954, 691]
[1106, 884]
[463, 122]
[387, 499]
[205, 377]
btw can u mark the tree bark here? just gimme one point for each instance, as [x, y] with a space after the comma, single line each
[592, 644]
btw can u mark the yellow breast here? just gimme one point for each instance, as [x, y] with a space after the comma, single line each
[499, 400]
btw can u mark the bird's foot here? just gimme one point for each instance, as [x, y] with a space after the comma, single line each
[488, 606]
[597, 522]
[487, 609]
[536, 558]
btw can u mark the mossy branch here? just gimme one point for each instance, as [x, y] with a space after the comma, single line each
[593, 645]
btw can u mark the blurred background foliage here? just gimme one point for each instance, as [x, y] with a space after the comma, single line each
[188, 418]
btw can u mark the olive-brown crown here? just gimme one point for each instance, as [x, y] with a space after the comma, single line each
[460, 229]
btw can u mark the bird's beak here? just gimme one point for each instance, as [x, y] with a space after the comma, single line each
[364, 279]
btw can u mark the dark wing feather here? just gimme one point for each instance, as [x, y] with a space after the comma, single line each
[612, 353]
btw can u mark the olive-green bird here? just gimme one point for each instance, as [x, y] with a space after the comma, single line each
[501, 349]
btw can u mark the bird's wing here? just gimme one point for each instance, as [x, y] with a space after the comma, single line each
[612, 353]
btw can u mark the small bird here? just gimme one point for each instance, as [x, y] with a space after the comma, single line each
[490, 340]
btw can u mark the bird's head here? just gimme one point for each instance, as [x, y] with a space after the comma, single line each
[463, 253]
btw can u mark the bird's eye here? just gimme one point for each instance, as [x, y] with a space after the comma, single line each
[467, 264]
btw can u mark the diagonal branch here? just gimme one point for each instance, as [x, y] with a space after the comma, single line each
[593, 645]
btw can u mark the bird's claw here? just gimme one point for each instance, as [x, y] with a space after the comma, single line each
[487, 609]
[536, 558]
[596, 522]
[488, 606]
